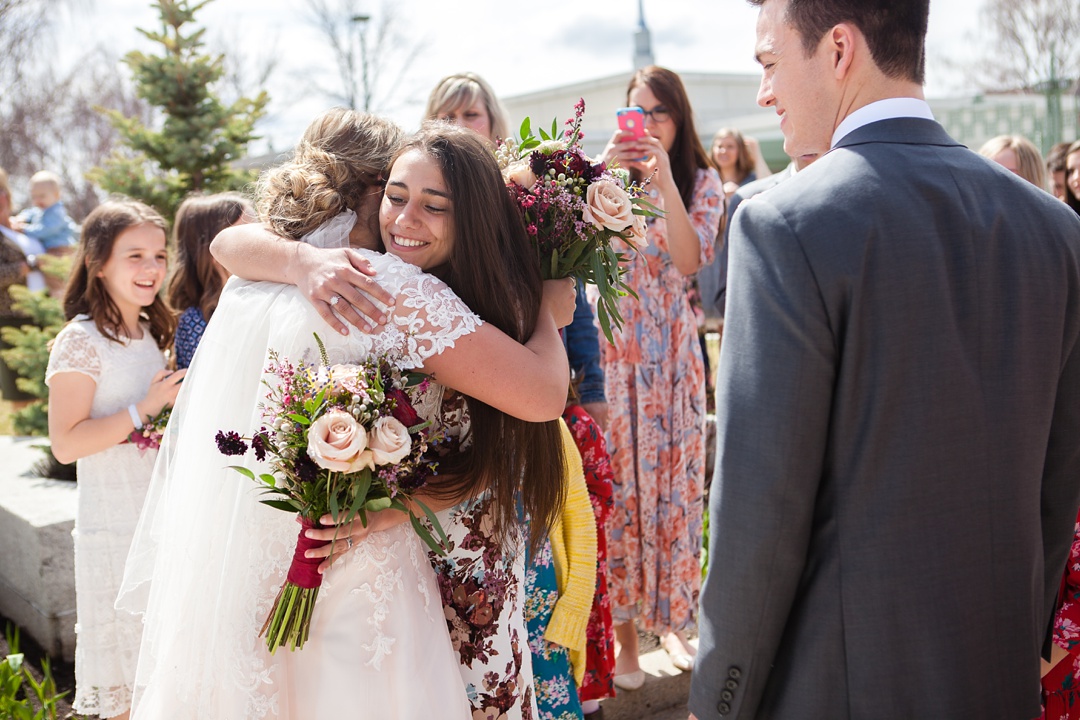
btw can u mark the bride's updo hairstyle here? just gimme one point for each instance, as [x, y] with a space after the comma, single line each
[342, 156]
[494, 269]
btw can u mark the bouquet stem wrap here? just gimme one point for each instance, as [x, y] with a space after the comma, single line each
[290, 617]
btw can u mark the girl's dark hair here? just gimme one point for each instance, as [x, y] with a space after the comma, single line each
[687, 154]
[197, 279]
[86, 294]
[494, 269]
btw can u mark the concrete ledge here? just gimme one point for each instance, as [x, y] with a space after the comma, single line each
[37, 557]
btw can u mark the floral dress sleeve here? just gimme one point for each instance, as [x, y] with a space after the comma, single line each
[706, 209]
[74, 351]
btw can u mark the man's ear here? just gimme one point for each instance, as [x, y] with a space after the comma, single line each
[843, 39]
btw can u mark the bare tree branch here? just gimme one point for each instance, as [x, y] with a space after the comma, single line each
[1030, 40]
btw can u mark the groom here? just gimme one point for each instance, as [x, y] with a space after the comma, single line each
[898, 469]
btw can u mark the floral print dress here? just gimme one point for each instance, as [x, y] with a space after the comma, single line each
[599, 679]
[1061, 686]
[481, 584]
[655, 386]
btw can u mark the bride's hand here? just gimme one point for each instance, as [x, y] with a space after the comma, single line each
[559, 300]
[341, 538]
[323, 275]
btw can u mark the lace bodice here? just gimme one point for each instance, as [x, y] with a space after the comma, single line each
[122, 370]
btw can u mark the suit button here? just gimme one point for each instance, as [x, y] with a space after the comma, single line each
[723, 708]
[734, 673]
[727, 696]
[731, 684]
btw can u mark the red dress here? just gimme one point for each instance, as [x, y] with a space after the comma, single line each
[600, 647]
[1061, 686]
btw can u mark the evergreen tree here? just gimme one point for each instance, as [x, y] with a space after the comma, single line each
[28, 355]
[199, 136]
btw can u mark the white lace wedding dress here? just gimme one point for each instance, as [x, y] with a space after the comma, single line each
[208, 558]
[112, 485]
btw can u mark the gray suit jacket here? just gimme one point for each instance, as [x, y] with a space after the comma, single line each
[898, 421]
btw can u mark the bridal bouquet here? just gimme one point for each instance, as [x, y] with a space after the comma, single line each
[341, 440]
[574, 209]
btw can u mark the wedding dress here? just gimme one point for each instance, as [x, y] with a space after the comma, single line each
[208, 559]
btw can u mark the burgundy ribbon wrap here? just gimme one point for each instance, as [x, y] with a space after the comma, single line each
[304, 571]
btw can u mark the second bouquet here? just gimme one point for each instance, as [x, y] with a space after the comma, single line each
[340, 440]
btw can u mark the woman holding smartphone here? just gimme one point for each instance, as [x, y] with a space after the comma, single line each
[655, 381]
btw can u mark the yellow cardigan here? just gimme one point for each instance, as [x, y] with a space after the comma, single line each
[573, 548]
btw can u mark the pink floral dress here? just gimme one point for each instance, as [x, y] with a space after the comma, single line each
[655, 386]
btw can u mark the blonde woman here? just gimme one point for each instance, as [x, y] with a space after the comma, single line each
[1018, 155]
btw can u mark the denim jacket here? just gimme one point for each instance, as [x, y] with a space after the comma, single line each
[582, 342]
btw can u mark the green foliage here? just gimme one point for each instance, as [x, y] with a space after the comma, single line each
[22, 696]
[199, 136]
[28, 355]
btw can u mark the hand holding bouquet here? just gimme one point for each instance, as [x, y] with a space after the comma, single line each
[340, 440]
[574, 209]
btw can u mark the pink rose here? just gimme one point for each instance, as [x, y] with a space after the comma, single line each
[347, 378]
[608, 206]
[520, 173]
[639, 232]
[390, 441]
[337, 442]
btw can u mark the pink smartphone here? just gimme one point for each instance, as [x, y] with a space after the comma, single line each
[631, 120]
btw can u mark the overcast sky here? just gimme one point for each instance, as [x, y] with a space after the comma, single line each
[511, 44]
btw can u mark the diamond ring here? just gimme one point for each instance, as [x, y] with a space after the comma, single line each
[334, 300]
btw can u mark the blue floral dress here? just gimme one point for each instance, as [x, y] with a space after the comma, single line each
[189, 331]
[553, 678]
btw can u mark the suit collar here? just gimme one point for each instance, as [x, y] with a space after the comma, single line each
[904, 130]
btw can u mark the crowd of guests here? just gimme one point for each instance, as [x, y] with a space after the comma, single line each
[623, 552]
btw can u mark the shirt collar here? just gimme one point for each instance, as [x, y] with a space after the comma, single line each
[882, 110]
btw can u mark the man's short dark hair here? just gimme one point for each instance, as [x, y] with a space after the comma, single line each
[895, 30]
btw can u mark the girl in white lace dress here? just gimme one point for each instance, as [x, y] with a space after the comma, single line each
[208, 559]
[106, 376]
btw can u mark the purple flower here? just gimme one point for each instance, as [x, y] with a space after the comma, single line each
[258, 444]
[306, 469]
[230, 443]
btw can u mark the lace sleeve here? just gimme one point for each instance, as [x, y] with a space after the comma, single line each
[74, 351]
[430, 317]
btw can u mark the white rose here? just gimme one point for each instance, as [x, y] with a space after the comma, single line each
[521, 173]
[547, 147]
[608, 206]
[639, 232]
[336, 442]
[390, 441]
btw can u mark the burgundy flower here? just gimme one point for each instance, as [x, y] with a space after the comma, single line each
[258, 444]
[403, 410]
[230, 443]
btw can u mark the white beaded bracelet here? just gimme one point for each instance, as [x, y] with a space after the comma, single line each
[135, 419]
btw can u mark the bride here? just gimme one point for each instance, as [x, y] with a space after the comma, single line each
[208, 559]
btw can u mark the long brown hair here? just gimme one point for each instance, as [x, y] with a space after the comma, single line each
[86, 294]
[687, 153]
[744, 159]
[196, 280]
[342, 156]
[494, 269]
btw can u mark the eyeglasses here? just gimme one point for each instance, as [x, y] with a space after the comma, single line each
[659, 114]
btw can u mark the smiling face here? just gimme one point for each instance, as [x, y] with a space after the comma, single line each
[474, 116]
[642, 96]
[1072, 173]
[799, 87]
[416, 216]
[726, 152]
[136, 268]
